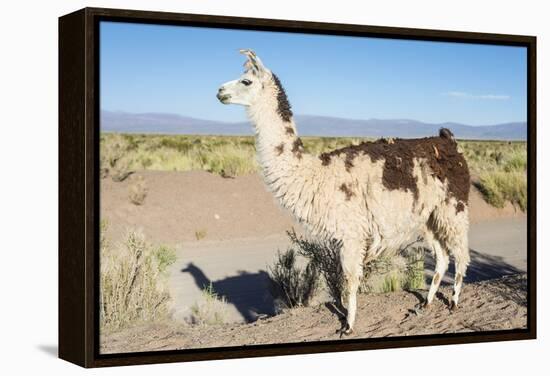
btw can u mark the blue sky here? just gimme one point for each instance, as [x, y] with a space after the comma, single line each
[175, 69]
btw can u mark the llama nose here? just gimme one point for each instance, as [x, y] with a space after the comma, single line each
[221, 95]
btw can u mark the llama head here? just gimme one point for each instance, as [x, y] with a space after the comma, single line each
[249, 87]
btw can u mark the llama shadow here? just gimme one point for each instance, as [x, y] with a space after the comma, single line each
[248, 292]
[337, 310]
[513, 288]
[422, 298]
[482, 267]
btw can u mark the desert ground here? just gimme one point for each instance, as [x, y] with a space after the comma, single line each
[497, 304]
[227, 231]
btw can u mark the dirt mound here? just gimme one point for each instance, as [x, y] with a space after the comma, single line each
[498, 304]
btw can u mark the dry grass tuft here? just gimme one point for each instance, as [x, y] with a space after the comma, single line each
[114, 157]
[501, 170]
[210, 310]
[200, 234]
[132, 281]
[499, 187]
[137, 191]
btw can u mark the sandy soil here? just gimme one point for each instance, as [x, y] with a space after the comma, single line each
[497, 304]
[244, 228]
[180, 204]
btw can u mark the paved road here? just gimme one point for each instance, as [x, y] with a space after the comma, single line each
[237, 269]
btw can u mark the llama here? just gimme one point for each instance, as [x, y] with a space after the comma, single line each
[375, 197]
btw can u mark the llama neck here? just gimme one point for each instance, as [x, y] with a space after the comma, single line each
[278, 147]
[280, 154]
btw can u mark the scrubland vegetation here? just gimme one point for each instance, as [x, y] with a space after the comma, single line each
[498, 168]
[292, 285]
[296, 285]
[132, 280]
[225, 156]
[133, 273]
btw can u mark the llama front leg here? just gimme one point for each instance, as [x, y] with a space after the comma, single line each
[352, 267]
[351, 290]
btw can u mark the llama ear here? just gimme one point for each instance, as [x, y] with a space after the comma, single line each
[253, 62]
[248, 66]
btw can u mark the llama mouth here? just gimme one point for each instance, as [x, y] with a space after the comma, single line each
[223, 98]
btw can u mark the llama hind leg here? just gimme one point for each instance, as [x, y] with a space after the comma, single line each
[441, 265]
[452, 226]
[459, 278]
[461, 255]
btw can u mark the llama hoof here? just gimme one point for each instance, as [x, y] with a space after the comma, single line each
[454, 306]
[345, 330]
[424, 306]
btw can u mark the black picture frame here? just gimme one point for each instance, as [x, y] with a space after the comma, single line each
[79, 185]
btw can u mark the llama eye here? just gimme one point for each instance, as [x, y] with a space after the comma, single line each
[246, 82]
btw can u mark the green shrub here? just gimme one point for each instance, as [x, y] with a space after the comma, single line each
[394, 273]
[294, 286]
[391, 283]
[165, 257]
[325, 257]
[383, 274]
[414, 274]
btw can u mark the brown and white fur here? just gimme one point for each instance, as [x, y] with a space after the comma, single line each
[350, 203]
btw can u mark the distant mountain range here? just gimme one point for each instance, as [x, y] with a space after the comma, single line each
[308, 125]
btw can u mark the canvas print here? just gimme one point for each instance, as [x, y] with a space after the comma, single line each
[262, 187]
